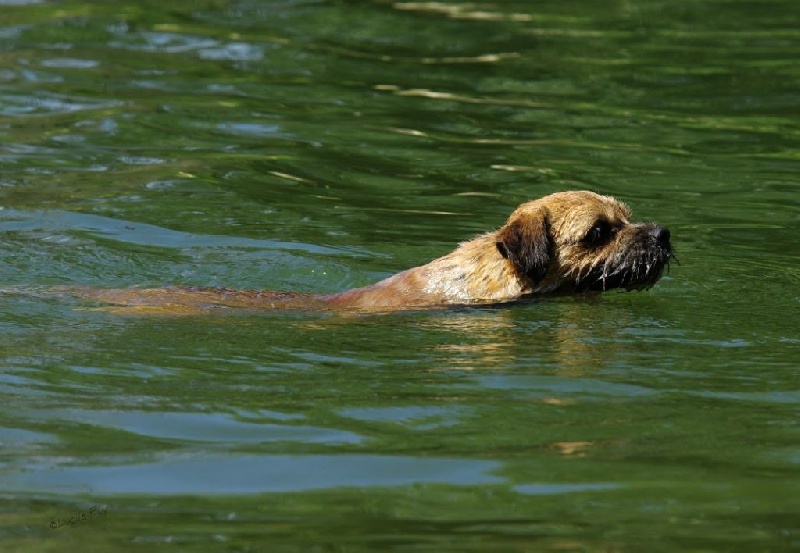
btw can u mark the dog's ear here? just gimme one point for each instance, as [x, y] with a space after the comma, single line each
[525, 241]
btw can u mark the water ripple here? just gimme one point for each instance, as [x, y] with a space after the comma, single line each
[250, 474]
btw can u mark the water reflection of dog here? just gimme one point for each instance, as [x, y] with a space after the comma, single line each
[562, 243]
[548, 359]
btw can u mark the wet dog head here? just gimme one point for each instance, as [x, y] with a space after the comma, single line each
[582, 241]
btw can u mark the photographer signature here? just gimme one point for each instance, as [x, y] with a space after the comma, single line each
[80, 517]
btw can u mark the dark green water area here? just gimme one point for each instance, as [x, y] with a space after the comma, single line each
[317, 145]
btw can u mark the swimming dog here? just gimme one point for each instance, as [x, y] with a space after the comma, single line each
[567, 242]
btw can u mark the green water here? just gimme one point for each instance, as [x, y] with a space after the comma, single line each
[319, 145]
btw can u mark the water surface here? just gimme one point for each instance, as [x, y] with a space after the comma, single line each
[320, 145]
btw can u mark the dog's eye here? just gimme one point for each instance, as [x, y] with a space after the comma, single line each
[599, 234]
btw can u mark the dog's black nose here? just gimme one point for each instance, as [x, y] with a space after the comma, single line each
[661, 234]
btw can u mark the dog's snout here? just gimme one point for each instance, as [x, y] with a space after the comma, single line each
[660, 234]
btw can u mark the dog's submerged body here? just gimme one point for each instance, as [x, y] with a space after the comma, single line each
[562, 243]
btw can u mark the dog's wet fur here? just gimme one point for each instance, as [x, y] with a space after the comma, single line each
[567, 242]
